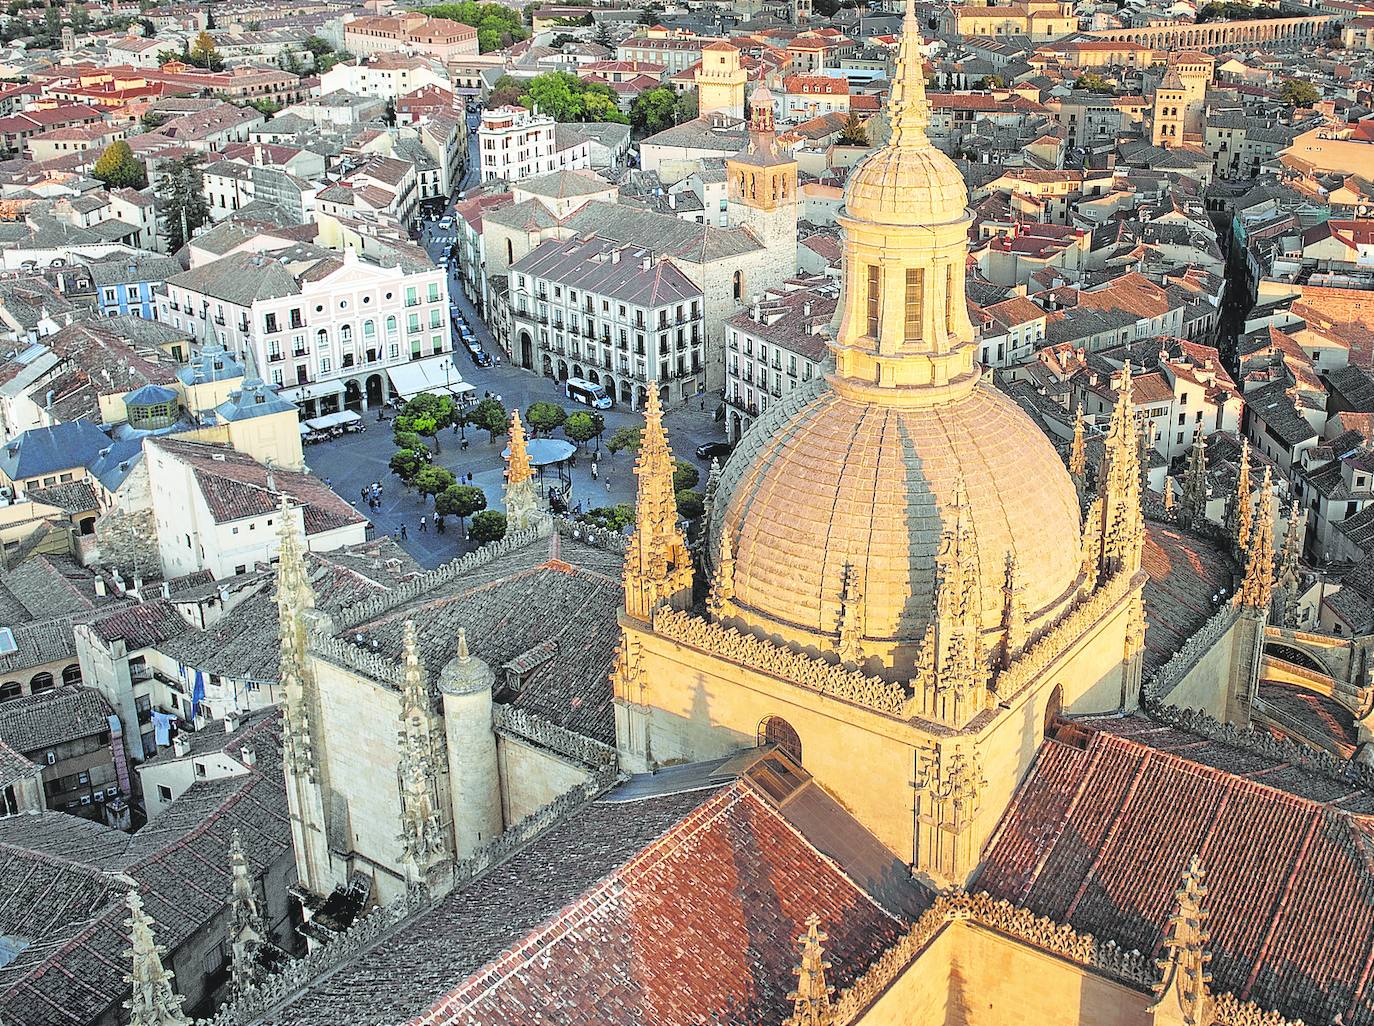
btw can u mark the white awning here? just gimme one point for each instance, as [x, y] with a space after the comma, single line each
[436, 374]
[314, 390]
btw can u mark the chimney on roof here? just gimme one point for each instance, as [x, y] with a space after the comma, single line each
[100, 585]
[615, 257]
[231, 721]
[181, 746]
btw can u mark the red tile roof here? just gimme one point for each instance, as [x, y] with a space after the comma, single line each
[1101, 830]
[698, 927]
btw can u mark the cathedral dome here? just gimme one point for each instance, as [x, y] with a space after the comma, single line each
[899, 490]
[825, 489]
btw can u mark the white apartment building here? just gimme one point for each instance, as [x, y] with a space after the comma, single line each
[616, 315]
[771, 348]
[385, 76]
[514, 144]
[218, 509]
[327, 328]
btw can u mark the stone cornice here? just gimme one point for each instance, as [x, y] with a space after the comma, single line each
[1106, 958]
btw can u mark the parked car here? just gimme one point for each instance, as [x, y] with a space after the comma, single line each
[714, 450]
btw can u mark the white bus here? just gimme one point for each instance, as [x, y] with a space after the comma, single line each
[580, 390]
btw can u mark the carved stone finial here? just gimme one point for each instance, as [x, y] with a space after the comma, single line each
[422, 759]
[1183, 995]
[1013, 614]
[811, 1000]
[463, 654]
[153, 1002]
[1241, 514]
[1078, 457]
[949, 787]
[521, 499]
[658, 566]
[1288, 581]
[723, 583]
[247, 933]
[1257, 590]
[849, 642]
[1194, 509]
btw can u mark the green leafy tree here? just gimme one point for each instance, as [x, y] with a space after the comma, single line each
[654, 110]
[488, 526]
[460, 501]
[602, 36]
[543, 417]
[690, 503]
[625, 438]
[406, 439]
[684, 475]
[153, 120]
[582, 427]
[688, 105]
[505, 93]
[599, 105]
[1093, 83]
[1297, 93]
[203, 53]
[497, 25]
[433, 480]
[427, 414]
[854, 133]
[991, 82]
[406, 463]
[181, 195]
[118, 168]
[291, 63]
[556, 93]
[612, 518]
[491, 417]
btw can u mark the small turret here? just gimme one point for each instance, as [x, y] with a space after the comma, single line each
[465, 688]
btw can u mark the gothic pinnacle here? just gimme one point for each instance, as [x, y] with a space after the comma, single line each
[153, 1001]
[811, 999]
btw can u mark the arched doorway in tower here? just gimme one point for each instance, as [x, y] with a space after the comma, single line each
[376, 393]
[774, 730]
[526, 351]
[353, 395]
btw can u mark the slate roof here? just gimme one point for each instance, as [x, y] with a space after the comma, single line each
[37, 722]
[1103, 826]
[663, 233]
[514, 604]
[63, 881]
[667, 908]
[604, 268]
[239, 278]
[48, 450]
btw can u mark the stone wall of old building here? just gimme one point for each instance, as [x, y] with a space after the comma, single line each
[532, 777]
[1198, 674]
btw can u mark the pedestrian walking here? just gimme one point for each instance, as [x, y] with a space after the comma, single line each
[439, 524]
[593, 470]
[608, 485]
[404, 533]
[362, 492]
[469, 477]
[424, 525]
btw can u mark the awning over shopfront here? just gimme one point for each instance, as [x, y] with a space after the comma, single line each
[314, 390]
[436, 374]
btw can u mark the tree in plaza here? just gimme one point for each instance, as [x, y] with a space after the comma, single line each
[684, 475]
[491, 417]
[488, 526]
[582, 427]
[181, 200]
[690, 503]
[854, 132]
[460, 501]
[118, 168]
[406, 464]
[1297, 93]
[407, 440]
[612, 518]
[654, 110]
[542, 417]
[433, 480]
[626, 438]
[427, 414]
